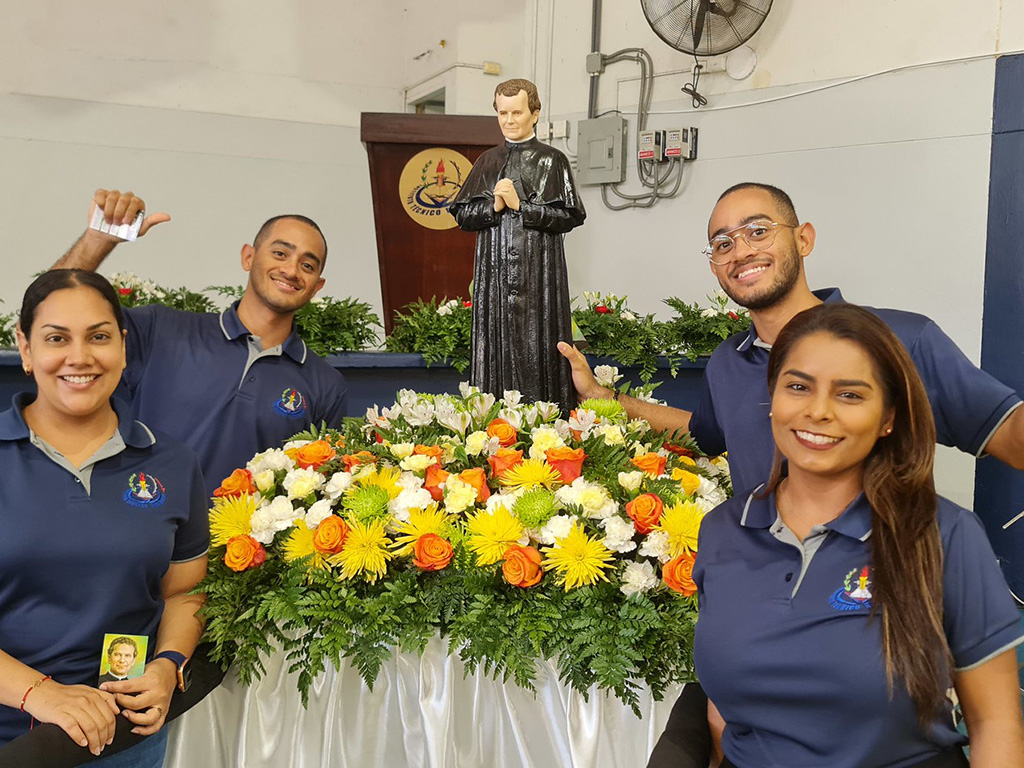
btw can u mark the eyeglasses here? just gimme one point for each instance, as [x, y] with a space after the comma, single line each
[759, 235]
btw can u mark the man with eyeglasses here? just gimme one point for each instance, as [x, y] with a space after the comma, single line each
[756, 249]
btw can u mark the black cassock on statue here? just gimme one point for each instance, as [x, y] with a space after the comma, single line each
[520, 285]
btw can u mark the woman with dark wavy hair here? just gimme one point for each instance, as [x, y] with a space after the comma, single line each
[842, 600]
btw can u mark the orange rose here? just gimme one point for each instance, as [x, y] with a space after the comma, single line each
[432, 553]
[678, 574]
[568, 462]
[651, 463]
[522, 566]
[330, 535]
[244, 552]
[645, 512]
[433, 479]
[435, 451]
[505, 432]
[503, 459]
[355, 459]
[478, 479]
[238, 483]
[313, 455]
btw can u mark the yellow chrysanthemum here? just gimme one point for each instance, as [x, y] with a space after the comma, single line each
[682, 524]
[299, 544]
[421, 521]
[531, 473]
[490, 535]
[365, 551]
[384, 477]
[578, 559]
[231, 516]
[688, 481]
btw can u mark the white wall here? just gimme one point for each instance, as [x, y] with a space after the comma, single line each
[224, 112]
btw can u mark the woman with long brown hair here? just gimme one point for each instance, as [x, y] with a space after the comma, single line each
[842, 600]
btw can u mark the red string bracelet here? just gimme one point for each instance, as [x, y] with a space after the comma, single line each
[31, 688]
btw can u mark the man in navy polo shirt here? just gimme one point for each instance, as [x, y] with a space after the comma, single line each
[233, 384]
[756, 251]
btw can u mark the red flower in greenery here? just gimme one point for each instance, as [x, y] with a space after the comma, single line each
[467, 303]
[733, 315]
[601, 309]
[125, 291]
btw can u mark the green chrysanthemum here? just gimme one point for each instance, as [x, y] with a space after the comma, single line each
[535, 507]
[366, 502]
[603, 408]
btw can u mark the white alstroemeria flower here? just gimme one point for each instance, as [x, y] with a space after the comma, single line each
[656, 544]
[458, 495]
[720, 296]
[630, 481]
[511, 397]
[638, 577]
[293, 444]
[466, 390]
[606, 375]
[709, 312]
[546, 411]
[420, 414]
[318, 512]
[618, 534]
[374, 417]
[583, 421]
[417, 463]
[480, 406]
[401, 450]
[299, 483]
[444, 309]
[558, 527]
[530, 415]
[628, 316]
[544, 439]
[264, 479]
[275, 459]
[456, 421]
[512, 416]
[337, 485]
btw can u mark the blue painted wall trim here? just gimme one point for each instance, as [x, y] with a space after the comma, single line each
[999, 490]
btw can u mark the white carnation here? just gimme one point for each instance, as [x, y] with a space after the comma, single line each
[638, 577]
[317, 513]
[337, 485]
[656, 544]
[410, 498]
[612, 434]
[299, 483]
[264, 479]
[417, 463]
[293, 444]
[275, 459]
[558, 527]
[618, 534]
[270, 518]
[458, 495]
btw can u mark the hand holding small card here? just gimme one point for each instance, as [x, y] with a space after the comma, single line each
[123, 657]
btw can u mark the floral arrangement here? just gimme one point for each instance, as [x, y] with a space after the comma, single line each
[612, 330]
[695, 331]
[133, 291]
[515, 533]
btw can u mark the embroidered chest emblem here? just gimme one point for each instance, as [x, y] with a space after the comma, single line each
[855, 594]
[144, 490]
[291, 403]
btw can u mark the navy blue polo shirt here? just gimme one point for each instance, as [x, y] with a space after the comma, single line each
[968, 404]
[82, 552]
[785, 649]
[202, 379]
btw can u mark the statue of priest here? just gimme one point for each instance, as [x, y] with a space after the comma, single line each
[521, 199]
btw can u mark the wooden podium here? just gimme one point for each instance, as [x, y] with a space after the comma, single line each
[417, 165]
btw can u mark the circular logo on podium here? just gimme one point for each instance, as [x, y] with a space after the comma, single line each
[430, 181]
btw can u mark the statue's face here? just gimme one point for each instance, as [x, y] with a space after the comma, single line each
[514, 116]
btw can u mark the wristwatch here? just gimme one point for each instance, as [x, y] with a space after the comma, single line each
[180, 660]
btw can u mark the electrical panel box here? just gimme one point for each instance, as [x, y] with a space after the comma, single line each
[650, 145]
[681, 143]
[601, 150]
[543, 130]
[560, 129]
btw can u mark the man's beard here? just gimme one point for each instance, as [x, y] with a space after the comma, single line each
[787, 273]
